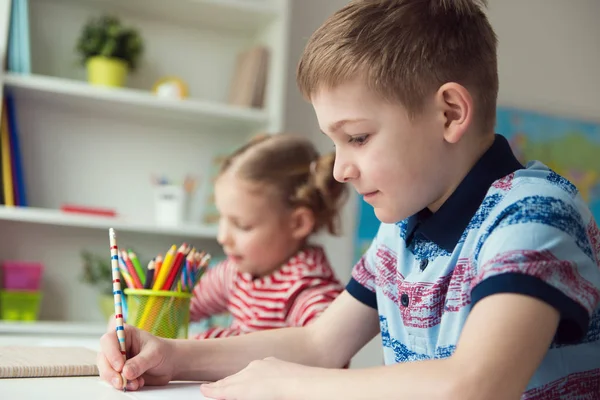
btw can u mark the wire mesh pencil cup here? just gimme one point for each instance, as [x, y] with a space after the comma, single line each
[163, 313]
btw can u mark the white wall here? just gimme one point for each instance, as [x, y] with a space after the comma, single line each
[549, 60]
[549, 55]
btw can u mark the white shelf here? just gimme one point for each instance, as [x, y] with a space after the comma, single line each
[59, 218]
[232, 15]
[135, 104]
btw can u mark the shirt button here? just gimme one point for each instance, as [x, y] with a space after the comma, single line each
[424, 264]
[404, 299]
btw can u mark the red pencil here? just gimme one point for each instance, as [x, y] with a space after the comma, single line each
[176, 267]
[132, 271]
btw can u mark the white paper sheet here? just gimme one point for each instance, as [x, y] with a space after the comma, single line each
[174, 390]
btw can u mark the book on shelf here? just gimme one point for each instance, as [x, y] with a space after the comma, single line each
[250, 77]
[19, 57]
[12, 179]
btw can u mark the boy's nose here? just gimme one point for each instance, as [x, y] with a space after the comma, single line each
[343, 172]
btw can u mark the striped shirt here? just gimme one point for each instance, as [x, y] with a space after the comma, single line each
[294, 295]
[505, 229]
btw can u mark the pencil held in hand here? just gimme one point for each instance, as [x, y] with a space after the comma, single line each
[118, 294]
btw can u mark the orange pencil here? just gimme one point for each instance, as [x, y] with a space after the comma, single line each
[157, 264]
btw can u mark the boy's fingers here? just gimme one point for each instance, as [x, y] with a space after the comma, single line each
[110, 348]
[107, 373]
[134, 385]
[135, 367]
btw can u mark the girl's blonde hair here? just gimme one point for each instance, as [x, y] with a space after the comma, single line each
[292, 166]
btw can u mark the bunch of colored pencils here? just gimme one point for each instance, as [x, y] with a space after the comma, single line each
[180, 269]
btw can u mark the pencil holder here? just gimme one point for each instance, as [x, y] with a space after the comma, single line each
[169, 204]
[160, 312]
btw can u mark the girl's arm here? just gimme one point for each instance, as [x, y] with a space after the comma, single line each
[312, 302]
[211, 294]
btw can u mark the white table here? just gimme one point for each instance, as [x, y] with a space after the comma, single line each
[75, 388]
[91, 388]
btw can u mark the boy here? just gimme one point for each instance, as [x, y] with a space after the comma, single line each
[487, 288]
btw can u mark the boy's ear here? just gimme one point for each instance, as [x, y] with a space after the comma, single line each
[456, 103]
[302, 222]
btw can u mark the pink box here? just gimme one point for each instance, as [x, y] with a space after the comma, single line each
[21, 275]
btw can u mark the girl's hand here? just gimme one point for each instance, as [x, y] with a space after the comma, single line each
[268, 379]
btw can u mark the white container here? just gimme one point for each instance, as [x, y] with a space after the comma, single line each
[169, 204]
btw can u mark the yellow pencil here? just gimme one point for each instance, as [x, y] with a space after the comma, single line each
[158, 284]
[164, 269]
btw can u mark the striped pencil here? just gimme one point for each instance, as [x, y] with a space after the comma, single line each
[118, 294]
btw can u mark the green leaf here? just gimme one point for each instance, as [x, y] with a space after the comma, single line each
[105, 35]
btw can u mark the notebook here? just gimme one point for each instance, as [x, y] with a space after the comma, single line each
[39, 361]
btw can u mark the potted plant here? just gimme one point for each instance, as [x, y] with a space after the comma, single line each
[109, 50]
[97, 272]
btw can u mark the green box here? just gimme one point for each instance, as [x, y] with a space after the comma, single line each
[19, 305]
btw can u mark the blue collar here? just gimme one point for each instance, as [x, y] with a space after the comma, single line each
[446, 226]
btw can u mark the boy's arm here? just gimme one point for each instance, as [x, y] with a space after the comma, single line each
[211, 294]
[505, 338]
[345, 327]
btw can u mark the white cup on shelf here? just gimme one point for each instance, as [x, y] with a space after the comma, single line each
[169, 204]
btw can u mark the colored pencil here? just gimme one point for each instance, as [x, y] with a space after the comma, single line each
[145, 322]
[157, 264]
[118, 294]
[164, 269]
[176, 267]
[131, 270]
[149, 275]
[138, 267]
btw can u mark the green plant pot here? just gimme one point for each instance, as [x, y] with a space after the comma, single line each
[107, 305]
[104, 71]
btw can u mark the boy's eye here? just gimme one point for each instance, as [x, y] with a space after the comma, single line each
[359, 140]
[243, 227]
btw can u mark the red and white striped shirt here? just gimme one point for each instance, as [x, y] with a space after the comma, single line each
[291, 296]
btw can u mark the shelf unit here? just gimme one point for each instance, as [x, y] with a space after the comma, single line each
[60, 218]
[99, 147]
[129, 103]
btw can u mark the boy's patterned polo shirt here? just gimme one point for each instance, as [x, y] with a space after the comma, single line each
[506, 229]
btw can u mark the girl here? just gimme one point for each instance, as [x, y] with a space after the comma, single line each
[272, 195]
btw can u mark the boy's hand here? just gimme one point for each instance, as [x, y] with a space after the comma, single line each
[150, 359]
[268, 379]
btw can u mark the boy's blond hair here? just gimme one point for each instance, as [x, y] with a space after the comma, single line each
[405, 50]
